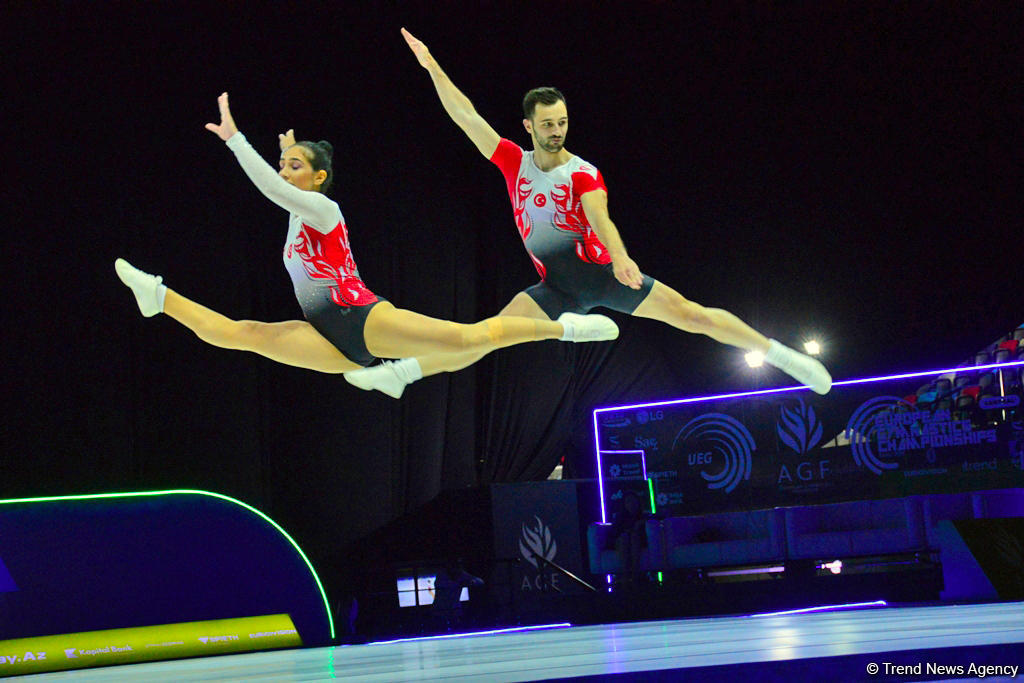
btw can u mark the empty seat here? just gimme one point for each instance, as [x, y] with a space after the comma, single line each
[962, 381]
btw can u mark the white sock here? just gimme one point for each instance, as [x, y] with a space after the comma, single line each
[577, 327]
[390, 377]
[148, 289]
[799, 366]
[568, 329]
[161, 292]
[776, 354]
[407, 369]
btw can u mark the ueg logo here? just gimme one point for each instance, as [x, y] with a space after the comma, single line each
[715, 437]
[537, 541]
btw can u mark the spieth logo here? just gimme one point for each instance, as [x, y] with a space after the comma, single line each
[537, 541]
[799, 428]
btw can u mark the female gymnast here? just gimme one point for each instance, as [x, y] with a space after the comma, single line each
[347, 326]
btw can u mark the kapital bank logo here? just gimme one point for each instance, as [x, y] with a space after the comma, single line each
[536, 541]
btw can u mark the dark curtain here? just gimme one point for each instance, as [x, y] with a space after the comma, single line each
[768, 170]
[542, 397]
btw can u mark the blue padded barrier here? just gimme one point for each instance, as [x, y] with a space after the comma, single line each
[939, 507]
[88, 563]
[853, 529]
[723, 539]
[606, 559]
[999, 503]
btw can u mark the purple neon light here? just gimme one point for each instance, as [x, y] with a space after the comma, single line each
[762, 392]
[824, 608]
[779, 390]
[448, 636]
[600, 478]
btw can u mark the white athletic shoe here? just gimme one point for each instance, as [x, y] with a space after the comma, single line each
[148, 290]
[588, 328]
[800, 367]
[390, 377]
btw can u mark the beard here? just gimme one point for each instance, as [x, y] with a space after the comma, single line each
[551, 146]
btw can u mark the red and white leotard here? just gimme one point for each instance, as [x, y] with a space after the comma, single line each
[547, 207]
[316, 251]
[318, 258]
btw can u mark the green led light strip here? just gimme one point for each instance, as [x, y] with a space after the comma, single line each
[654, 509]
[140, 494]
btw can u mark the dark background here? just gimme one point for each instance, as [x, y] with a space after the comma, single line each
[848, 170]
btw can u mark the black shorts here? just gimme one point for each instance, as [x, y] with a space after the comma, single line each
[585, 287]
[343, 327]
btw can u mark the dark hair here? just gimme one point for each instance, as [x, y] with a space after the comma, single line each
[546, 95]
[320, 156]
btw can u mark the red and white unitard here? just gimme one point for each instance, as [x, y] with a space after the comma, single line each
[317, 255]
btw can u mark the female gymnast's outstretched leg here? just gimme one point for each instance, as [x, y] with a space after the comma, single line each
[389, 332]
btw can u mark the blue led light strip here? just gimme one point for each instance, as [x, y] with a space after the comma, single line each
[845, 382]
[140, 494]
[447, 636]
[823, 608]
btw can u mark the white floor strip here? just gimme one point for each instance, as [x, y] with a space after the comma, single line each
[605, 649]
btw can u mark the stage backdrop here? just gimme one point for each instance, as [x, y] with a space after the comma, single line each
[864, 440]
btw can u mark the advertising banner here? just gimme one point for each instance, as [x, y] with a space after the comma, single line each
[146, 643]
[536, 523]
[866, 439]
